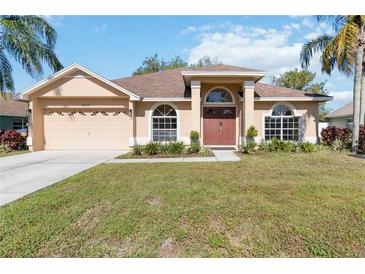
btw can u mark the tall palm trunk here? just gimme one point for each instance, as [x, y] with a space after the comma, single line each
[357, 94]
[362, 96]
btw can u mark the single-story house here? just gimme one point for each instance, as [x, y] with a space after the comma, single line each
[13, 114]
[341, 117]
[78, 109]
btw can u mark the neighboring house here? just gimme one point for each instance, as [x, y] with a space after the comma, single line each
[78, 109]
[13, 114]
[341, 117]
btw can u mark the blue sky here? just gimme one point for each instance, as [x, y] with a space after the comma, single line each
[114, 46]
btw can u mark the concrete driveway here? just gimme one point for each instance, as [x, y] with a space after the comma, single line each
[26, 173]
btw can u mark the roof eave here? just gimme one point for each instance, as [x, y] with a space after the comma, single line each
[338, 116]
[297, 98]
[223, 73]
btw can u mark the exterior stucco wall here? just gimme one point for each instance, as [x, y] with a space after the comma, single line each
[143, 111]
[339, 121]
[79, 85]
[81, 92]
[308, 111]
[76, 91]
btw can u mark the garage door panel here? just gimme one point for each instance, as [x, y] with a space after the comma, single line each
[67, 130]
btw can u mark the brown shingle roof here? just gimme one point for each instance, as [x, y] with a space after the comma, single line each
[170, 83]
[223, 68]
[266, 90]
[346, 110]
[10, 107]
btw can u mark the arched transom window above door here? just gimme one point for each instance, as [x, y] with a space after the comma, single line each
[219, 96]
[164, 123]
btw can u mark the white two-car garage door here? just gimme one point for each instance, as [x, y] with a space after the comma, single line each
[85, 130]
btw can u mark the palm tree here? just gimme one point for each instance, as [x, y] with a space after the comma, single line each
[362, 99]
[344, 50]
[30, 40]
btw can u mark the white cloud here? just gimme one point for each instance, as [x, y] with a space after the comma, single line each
[272, 50]
[308, 22]
[261, 48]
[322, 28]
[100, 28]
[188, 30]
[55, 20]
[295, 26]
[341, 97]
[205, 28]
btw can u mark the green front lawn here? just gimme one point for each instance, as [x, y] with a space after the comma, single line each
[130, 155]
[12, 153]
[267, 205]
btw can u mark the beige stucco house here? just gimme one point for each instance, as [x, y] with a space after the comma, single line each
[341, 117]
[78, 109]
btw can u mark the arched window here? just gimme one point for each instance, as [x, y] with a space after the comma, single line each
[164, 124]
[219, 95]
[281, 110]
[282, 124]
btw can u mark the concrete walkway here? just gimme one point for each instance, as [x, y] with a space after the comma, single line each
[225, 155]
[29, 172]
[221, 155]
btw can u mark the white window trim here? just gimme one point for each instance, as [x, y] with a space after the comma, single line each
[219, 103]
[150, 112]
[293, 110]
[288, 105]
[24, 123]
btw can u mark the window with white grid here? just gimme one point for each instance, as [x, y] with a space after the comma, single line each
[282, 125]
[164, 124]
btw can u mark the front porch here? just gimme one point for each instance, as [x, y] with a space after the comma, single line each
[220, 114]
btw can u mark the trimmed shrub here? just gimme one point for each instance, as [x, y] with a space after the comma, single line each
[5, 149]
[264, 146]
[12, 139]
[307, 147]
[152, 148]
[337, 145]
[137, 149]
[251, 132]
[163, 147]
[274, 144]
[194, 137]
[248, 147]
[279, 146]
[287, 146]
[175, 147]
[194, 148]
[331, 133]
[205, 151]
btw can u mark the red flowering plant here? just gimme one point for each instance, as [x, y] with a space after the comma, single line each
[332, 133]
[12, 139]
[361, 144]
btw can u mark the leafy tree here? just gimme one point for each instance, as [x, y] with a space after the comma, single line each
[345, 50]
[302, 80]
[154, 64]
[206, 61]
[30, 40]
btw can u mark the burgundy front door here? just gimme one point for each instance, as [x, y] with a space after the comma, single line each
[219, 125]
